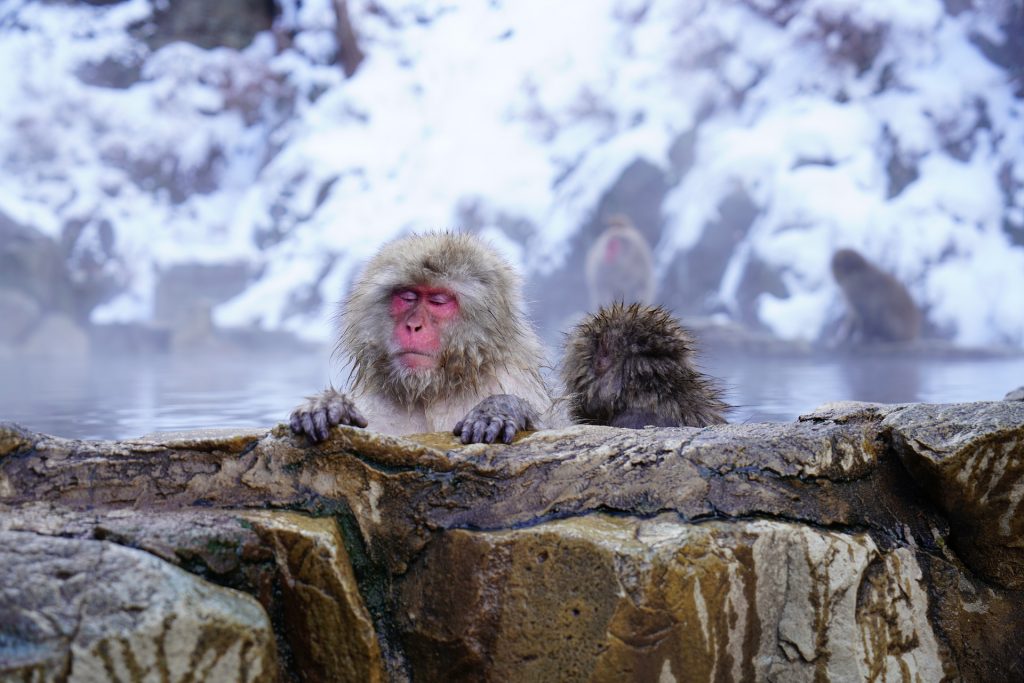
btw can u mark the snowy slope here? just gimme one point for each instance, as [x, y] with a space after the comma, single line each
[521, 114]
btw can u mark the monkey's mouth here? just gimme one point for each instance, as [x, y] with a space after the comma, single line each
[416, 360]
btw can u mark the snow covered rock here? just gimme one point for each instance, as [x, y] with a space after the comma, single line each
[748, 139]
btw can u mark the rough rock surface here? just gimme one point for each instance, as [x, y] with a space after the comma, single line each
[296, 566]
[971, 462]
[85, 610]
[863, 542]
[614, 599]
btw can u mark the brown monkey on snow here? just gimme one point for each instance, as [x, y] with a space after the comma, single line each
[879, 307]
[620, 266]
[631, 366]
[438, 340]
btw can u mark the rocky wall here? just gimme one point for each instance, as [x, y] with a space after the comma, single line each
[862, 542]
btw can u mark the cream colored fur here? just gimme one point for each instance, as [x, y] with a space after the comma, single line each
[492, 350]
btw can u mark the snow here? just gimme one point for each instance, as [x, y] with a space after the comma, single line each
[522, 114]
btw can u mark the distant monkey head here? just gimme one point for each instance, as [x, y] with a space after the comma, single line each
[430, 315]
[619, 265]
[847, 262]
[619, 232]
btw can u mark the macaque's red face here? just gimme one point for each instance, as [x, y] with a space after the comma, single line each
[420, 315]
[612, 250]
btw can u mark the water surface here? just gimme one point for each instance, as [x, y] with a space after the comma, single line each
[124, 397]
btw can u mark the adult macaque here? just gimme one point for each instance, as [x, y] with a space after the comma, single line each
[437, 338]
[879, 307]
[620, 266]
[632, 366]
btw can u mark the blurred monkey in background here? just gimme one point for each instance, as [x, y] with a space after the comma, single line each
[620, 266]
[878, 307]
[437, 338]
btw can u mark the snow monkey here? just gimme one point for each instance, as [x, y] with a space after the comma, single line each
[879, 307]
[437, 339]
[619, 265]
[631, 366]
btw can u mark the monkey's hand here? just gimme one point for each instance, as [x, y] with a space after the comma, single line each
[501, 415]
[318, 414]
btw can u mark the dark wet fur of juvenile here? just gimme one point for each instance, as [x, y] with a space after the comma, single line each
[631, 366]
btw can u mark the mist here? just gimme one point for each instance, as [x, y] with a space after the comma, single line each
[186, 197]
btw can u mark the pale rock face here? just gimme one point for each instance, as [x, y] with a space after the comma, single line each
[972, 463]
[323, 629]
[86, 610]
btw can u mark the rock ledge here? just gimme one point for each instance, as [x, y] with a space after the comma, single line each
[862, 542]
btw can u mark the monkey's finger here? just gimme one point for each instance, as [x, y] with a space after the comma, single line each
[492, 432]
[355, 417]
[343, 412]
[457, 429]
[295, 422]
[465, 430]
[509, 432]
[478, 431]
[307, 427]
[336, 412]
[323, 429]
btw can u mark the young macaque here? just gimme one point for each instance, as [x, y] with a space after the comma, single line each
[437, 338]
[620, 266]
[879, 307]
[632, 366]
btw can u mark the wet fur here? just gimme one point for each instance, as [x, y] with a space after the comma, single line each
[631, 366]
